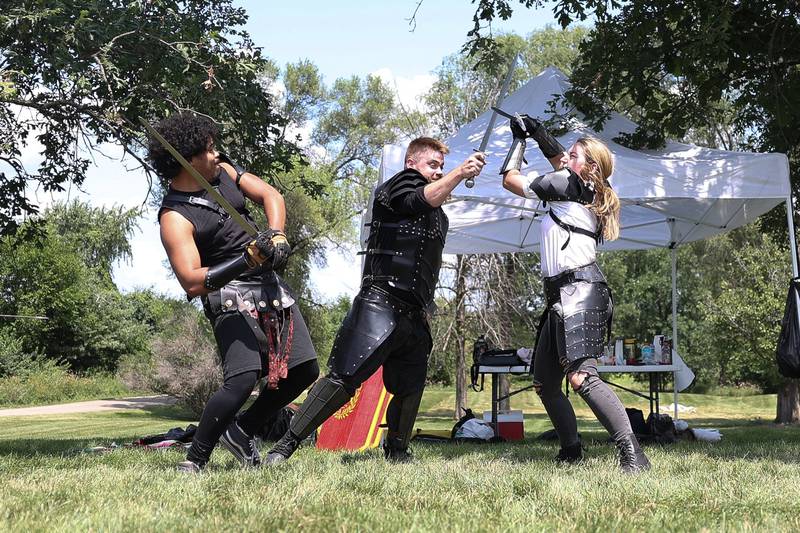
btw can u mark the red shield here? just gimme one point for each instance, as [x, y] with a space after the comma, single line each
[356, 425]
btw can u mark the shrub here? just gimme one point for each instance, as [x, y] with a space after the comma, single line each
[44, 381]
[13, 359]
[185, 363]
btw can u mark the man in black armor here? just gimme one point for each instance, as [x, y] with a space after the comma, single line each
[257, 324]
[387, 324]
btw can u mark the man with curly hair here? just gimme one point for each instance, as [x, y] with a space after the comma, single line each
[256, 322]
[388, 322]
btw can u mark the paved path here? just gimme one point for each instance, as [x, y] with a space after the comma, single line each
[93, 406]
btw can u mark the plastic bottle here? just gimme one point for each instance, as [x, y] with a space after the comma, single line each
[648, 354]
[630, 351]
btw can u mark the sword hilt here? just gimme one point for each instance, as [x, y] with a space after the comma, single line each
[470, 182]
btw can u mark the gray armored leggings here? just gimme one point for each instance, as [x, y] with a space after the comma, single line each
[548, 374]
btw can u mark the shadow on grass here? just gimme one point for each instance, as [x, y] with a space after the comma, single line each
[752, 440]
[357, 457]
[116, 430]
[66, 448]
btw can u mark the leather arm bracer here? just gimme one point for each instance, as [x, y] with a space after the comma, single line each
[219, 275]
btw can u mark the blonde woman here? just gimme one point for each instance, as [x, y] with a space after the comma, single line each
[583, 211]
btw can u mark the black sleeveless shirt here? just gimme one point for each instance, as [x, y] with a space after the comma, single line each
[217, 236]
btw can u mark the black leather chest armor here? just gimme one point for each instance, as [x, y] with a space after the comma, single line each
[405, 251]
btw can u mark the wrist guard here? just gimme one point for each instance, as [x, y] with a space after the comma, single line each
[219, 275]
[548, 144]
[515, 157]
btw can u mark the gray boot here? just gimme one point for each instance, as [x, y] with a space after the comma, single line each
[631, 457]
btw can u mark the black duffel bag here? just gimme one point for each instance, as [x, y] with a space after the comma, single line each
[499, 358]
[492, 358]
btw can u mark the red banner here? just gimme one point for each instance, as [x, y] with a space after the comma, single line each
[356, 425]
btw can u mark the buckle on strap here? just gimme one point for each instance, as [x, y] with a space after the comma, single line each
[590, 273]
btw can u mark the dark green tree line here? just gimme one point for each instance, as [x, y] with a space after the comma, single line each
[64, 274]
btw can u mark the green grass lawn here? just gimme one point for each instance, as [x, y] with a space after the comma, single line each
[749, 481]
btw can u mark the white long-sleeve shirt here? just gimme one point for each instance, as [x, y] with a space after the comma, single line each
[581, 249]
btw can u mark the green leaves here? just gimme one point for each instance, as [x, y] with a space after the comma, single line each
[86, 70]
[467, 85]
[731, 293]
[65, 275]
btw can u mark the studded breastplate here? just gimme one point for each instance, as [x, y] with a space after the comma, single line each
[407, 254]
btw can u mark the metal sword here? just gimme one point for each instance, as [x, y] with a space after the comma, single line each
[214, 193]
[500, 97]
[503, 113]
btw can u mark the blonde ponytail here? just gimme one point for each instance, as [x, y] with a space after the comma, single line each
[598, 168]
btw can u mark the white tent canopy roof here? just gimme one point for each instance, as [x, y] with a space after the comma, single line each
[676, 195]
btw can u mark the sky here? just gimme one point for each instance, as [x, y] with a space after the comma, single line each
[343, 38]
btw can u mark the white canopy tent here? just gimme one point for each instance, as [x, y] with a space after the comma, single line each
[669, 197]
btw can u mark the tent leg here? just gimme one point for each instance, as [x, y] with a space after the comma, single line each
[674, 253]
[792, 242]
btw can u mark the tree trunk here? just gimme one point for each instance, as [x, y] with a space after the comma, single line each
[789, 403]
[461, 341]
[505, 387]
[508, 319]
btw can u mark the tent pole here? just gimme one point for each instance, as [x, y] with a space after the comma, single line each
[792, 242]
[674, 253]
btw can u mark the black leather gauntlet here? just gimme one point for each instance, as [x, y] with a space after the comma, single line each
[528, 126]
[219, 275]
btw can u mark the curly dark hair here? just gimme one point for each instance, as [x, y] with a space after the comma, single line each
[188, 133]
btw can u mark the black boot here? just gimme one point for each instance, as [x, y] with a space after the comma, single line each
[282, 450]
[400, 417]
[396, 451]
[631, 457]
[572, 454]
[241, 445]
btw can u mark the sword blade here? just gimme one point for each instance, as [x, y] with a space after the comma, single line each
[500, 97]
[225, 204]
[502, 113]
